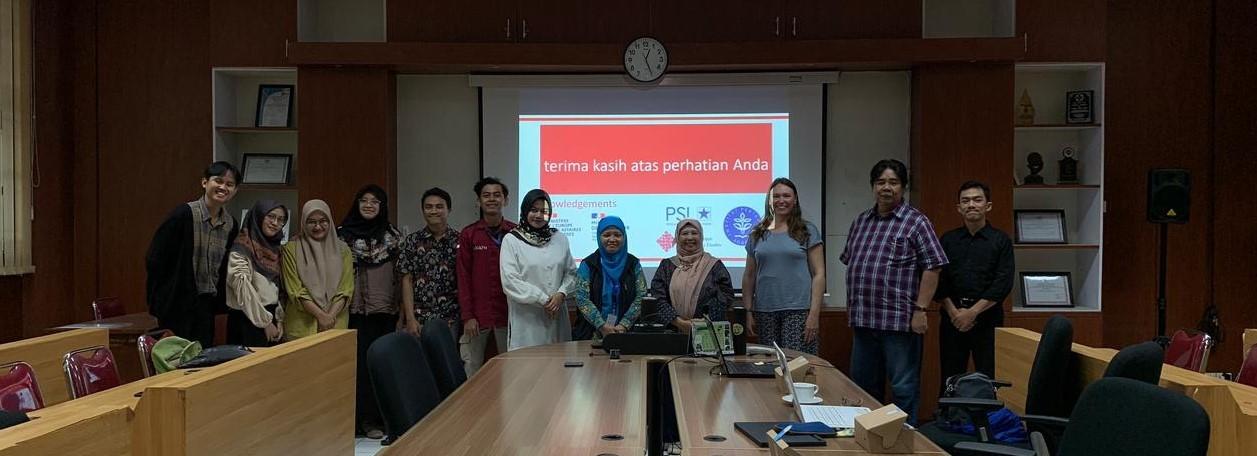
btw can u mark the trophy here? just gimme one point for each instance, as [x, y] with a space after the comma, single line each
[1035, 162]
[1069, 167]
[1025, 110]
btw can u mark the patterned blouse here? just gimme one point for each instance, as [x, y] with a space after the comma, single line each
[431, 265]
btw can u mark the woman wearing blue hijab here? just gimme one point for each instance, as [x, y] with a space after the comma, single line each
[609, 285]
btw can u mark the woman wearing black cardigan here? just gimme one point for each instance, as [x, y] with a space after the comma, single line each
[692, 284]
[187, 259]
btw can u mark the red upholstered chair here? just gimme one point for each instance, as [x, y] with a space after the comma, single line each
[107, 307]
[1189, 351]
[145, 344]
[19, 392]
[1248, 370]
[90, 370]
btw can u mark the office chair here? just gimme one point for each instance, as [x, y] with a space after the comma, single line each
[1122, 416]
[1189, 351]
[90, 370]
[1248, 370]
[144, 344]
[411, 376]
[1138, 362]
[1047, 396]
[19, 390]
[107, 307]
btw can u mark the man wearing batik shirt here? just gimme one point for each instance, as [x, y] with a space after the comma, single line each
[483, 303]
[893, 260]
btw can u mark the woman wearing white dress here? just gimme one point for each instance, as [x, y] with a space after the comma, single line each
[537, 272]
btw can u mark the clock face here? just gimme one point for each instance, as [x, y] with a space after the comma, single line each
[645, 59]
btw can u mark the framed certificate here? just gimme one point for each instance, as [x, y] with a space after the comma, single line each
[1042, 226]
[1046, 289]
[274, 106]
[266, 169]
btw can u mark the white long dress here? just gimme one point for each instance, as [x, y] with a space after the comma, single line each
[530, 275]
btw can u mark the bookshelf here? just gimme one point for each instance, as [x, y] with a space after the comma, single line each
[235, 92]
[1083, 201]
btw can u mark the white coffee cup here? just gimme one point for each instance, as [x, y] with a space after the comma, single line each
[806, 392]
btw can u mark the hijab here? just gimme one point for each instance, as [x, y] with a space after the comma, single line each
[536, 237]
[612, 265]
[262, 251]
[373, 241]
[318, 262]
[692, 269]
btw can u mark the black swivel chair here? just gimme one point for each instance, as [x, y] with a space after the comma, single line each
[412, 376]
[1120, 416]
[1048, 392]
[1138, 362]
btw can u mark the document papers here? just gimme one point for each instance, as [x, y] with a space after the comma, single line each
[837, 417]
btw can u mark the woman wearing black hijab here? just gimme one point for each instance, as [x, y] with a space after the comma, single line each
[255, 290]
[374, 242]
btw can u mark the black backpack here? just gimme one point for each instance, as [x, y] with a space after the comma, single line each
[973, 385]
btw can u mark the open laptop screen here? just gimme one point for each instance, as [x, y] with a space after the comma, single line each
[783, 363]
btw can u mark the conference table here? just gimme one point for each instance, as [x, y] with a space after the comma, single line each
[527, 402]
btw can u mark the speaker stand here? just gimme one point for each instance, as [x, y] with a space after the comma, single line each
[1162, 249]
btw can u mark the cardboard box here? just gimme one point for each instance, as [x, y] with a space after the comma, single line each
[883, 431]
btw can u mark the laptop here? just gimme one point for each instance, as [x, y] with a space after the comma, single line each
[736, 369]
[837, 417]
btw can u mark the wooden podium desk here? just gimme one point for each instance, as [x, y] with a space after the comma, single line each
[526, 402]
[295, 398]
[1232, 407]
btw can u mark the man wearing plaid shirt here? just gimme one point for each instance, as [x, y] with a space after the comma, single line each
[893, 260]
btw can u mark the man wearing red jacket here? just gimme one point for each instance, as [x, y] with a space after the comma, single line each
[479, 279]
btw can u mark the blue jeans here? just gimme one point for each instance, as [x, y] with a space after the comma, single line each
[876, 354]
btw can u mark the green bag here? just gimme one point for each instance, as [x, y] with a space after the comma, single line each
[170, 352]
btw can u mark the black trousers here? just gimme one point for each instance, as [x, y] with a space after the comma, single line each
[955, 347]
[240, 330]
[370, 327]
[194, 324]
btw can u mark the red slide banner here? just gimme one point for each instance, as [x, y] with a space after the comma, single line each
[651, 159]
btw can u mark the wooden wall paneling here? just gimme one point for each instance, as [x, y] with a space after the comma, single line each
[835, 345]
[471, 21]
[1063, 32]
[836, 19]
[86, 208]
[11, 304]
[154, 136]
[57, 30]
[958, 134]
[251, 33]
[703, 21]
[1155, 66]
[1235, 235]
[346, 139]
[583, 21]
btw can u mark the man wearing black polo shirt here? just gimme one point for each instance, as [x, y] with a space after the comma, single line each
[973, 285]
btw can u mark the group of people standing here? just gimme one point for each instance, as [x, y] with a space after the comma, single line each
[514, 282]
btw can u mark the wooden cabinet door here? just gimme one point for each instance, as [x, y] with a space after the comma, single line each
[846, 19]
[582, 21]
[698, 21]
[463, 21]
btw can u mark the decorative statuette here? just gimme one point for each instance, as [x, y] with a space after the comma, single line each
[1025, 110]
[1035, 162]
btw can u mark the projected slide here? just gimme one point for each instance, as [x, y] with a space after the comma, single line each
[653, 171]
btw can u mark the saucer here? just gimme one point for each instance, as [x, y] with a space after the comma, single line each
[789, 398]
